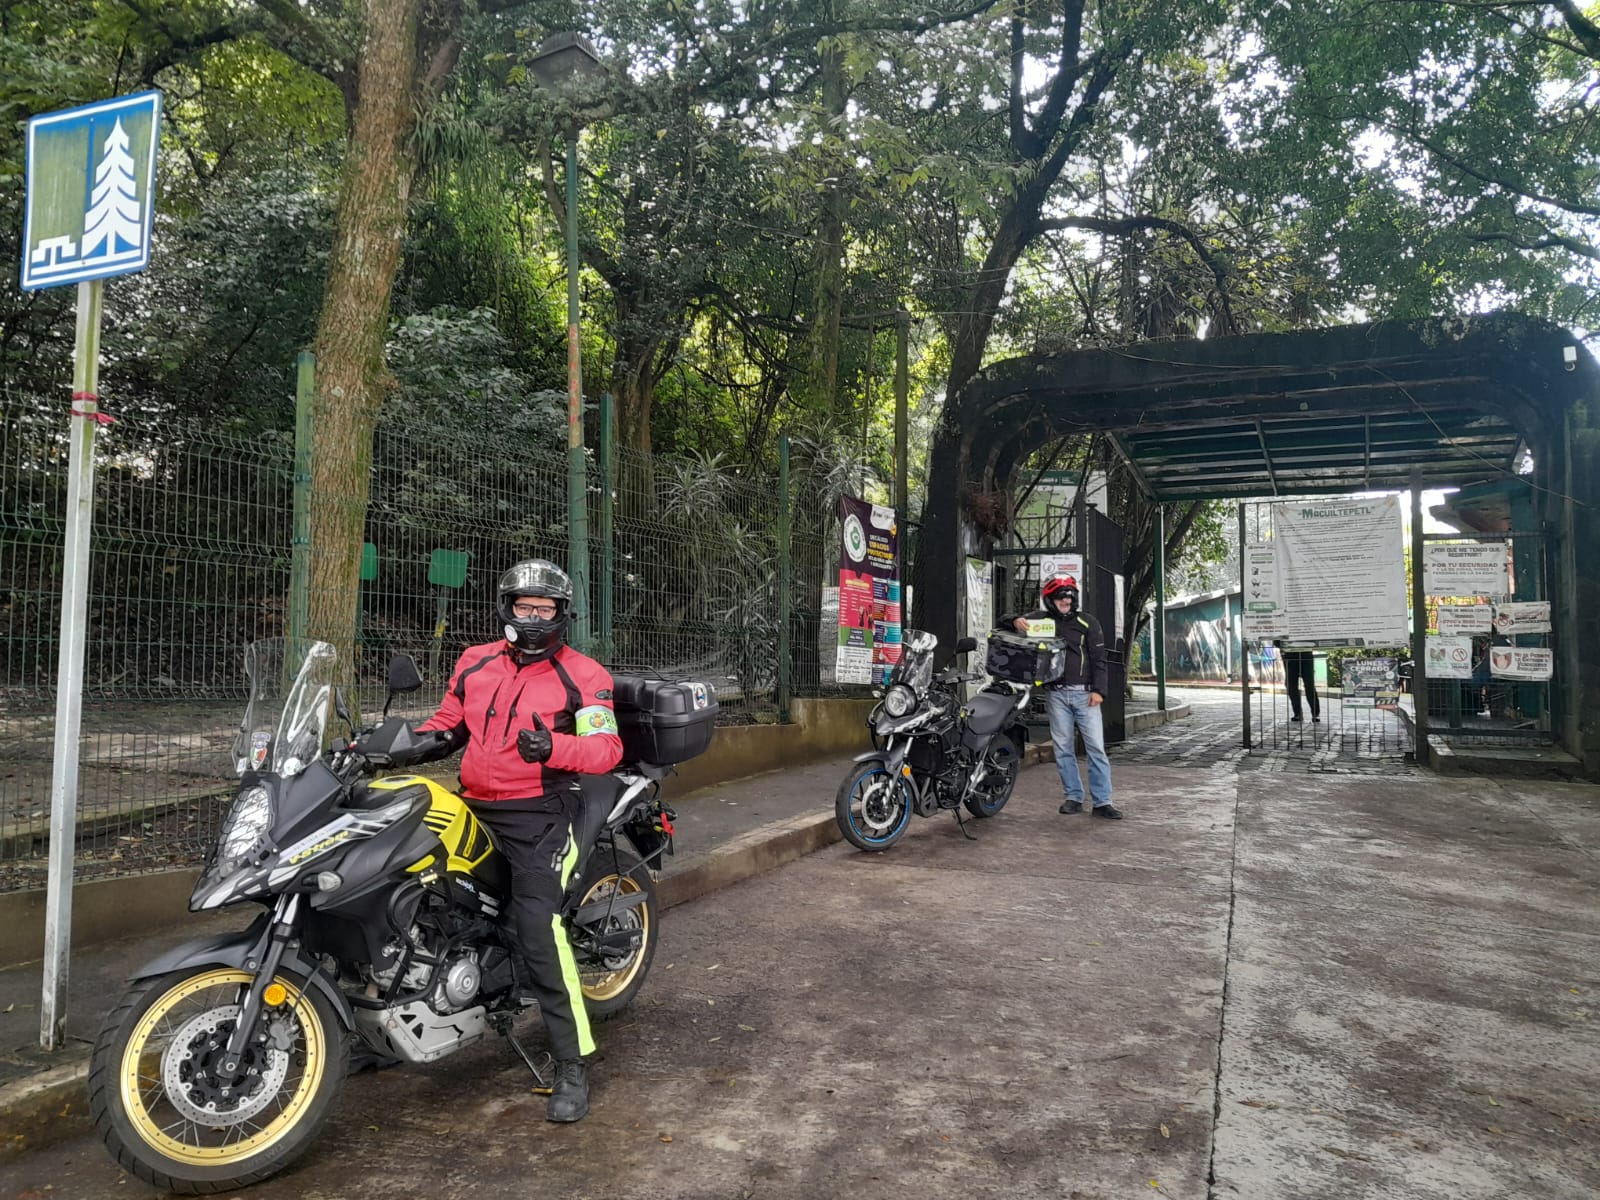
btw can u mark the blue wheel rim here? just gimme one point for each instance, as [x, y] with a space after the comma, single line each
[905, 811]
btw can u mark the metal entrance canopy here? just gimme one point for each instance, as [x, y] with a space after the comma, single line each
[1350, 408]
[1447, 402]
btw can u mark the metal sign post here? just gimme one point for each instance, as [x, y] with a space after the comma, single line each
[88, 215]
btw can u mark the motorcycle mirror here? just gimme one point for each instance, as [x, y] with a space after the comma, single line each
[342, 710]
[966, 645]
[403, 674]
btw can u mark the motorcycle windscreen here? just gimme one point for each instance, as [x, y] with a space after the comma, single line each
[286, 717]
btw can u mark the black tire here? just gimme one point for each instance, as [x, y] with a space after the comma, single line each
[611, 982]
[1004, 758]
[137, 1114]
[873, 807]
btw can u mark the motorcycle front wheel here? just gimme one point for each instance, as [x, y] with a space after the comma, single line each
[873, 807]
[612, 978]
[1003, 759]
[168, 1117]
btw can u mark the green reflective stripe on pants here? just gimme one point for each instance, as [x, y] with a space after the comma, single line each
[569, 967]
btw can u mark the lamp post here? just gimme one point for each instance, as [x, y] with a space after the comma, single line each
[564, 62]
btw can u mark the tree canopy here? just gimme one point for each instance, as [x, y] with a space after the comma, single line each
[765, 182]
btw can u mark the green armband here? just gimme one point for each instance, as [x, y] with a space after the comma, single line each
[595, 718]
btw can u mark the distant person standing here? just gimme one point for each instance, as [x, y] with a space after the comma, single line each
[1300, 666]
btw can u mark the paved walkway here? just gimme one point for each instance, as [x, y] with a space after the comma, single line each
[1263, 986]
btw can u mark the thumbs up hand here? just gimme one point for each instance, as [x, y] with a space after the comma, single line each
[534, 745]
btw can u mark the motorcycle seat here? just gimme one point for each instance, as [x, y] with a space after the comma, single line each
[600, 793]
[987, 712]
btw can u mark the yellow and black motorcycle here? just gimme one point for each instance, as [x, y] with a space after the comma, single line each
[381, 936]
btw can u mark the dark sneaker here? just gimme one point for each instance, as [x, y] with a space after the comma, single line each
[569, 1099]
[1296, 720]
[1069, 805]
[1109, 811]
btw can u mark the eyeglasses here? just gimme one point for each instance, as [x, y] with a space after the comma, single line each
[534, 608]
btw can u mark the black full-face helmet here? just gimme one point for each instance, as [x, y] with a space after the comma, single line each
[534, 639]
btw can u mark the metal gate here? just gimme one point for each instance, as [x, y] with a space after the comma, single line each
[1334, 707]
[1490, 696]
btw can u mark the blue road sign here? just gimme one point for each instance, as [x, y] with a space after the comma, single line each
[91, 191]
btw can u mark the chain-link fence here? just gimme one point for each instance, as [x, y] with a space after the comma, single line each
[192, 558]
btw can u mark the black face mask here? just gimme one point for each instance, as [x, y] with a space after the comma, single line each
[534, 639]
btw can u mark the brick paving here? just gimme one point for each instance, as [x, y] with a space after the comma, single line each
[1354, 741]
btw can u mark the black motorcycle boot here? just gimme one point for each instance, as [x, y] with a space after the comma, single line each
[569, 1100]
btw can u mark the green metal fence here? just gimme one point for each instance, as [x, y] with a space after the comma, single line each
[192, 559]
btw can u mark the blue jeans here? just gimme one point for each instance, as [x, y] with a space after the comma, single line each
[1071, 712]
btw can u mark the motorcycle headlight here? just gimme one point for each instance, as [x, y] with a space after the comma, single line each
[248, 821]
[899, 700]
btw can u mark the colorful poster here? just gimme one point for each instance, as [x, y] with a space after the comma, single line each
[1449, 657]
[1530, 616]
[1464, 618]
[870, 604]
[1466, 568]
[1532, 664]
[1370, 682]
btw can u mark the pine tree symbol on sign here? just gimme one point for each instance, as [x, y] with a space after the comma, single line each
[113, 225]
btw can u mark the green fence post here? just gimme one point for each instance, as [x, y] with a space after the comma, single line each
[300, 538]
[785, 572]
[605, 517]
[1161, 607]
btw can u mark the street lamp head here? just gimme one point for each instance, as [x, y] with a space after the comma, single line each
[566, 60]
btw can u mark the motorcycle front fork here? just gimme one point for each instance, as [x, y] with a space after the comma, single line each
[264, 961]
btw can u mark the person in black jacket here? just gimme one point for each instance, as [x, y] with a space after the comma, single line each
[1073, 701]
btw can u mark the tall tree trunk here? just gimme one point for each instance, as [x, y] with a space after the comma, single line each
[351, 376]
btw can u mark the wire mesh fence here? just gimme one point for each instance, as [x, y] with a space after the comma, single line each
[192, 559]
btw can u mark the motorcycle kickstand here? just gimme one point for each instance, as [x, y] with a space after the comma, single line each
[962, 825]
[544, 1081]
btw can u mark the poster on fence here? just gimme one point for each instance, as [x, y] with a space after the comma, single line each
[1449, 657]
[1370, 682]
[1530, 664]
[1464, 618]
[980, 598]
[869, 592]
[1340, 573]
[1466, 568]
[1530, 616]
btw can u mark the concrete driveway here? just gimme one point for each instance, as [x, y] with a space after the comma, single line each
[1258, 985]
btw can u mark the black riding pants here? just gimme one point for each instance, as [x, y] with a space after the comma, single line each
[542, 854]
[1300, 667]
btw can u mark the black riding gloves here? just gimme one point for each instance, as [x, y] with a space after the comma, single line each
[534, 744]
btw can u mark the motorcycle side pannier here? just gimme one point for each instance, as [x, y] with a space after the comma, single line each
[663, 721]
[1021, 659]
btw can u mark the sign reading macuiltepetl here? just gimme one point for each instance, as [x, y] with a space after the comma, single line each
[1466, 568]
[1341, 573]
[91, 191]
[1449, 657]
[1530, 664]
[1528, 616]
[869, 592]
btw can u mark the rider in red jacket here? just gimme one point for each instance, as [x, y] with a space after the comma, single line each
[535, 714]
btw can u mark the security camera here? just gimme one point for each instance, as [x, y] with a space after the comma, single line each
[1569, 355]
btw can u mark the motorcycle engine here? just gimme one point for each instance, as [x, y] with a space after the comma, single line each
[460, 979]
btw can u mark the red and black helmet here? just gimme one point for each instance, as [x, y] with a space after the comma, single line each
[1061, 585]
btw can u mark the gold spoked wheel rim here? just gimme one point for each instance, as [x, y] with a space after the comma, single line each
[163, 1124]
[599, 982]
